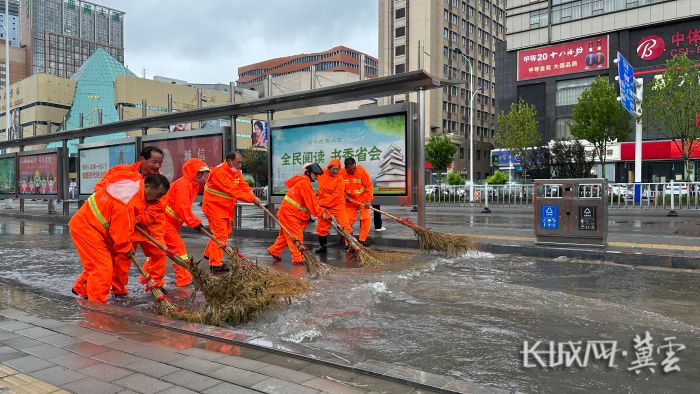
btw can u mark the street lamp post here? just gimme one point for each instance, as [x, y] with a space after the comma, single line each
[471, 123]
[6, 27]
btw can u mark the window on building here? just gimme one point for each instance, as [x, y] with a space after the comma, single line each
[400, 13]
[399, 68]
[400, 31]
[400, 50]
[478, 154]
[562, 130]
[538, 19]
[461, 153]
[569, 91]
[446, 33]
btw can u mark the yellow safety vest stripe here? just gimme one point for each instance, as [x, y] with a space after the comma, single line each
[172, 213]
[296, 204]
[217, 193]
[359, 191]
[96, 211]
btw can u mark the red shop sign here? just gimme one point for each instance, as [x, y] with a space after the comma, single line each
[572, 57]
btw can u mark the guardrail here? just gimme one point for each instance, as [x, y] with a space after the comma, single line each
[666, 196]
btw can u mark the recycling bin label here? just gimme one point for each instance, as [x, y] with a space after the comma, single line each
[549, 217]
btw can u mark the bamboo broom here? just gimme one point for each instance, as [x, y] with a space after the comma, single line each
[313, 265]
[450, 244]
[233, 254]
[165, 304]
[365, 257]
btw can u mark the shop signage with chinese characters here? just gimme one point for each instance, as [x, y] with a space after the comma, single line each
[572, 57]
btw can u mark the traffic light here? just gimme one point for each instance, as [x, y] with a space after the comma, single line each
[638, 95]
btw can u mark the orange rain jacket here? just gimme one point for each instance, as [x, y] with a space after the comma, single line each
[178, 210]
[150, 217]
[104, 227]
[331, 195]
[182, 194]
[222, 189]
[294, 212]
[358, 186]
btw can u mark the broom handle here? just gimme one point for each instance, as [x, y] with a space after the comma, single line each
[156, 291]
[281, 226]
[225, 248]
[378, 210]
[176, 259]
[334, 223]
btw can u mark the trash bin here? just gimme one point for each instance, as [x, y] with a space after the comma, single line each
[571, 212]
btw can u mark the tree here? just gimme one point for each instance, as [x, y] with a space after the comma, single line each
[517, 128]
[498, 178]
[440, 152]
[600, 119]
[537, 162]
[454, 178]
[671, 103]
[568, 160]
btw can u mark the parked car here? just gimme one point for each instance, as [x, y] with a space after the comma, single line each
[681, 189]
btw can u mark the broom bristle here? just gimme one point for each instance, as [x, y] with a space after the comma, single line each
[450, 244]
[236, 297]
[315, 267]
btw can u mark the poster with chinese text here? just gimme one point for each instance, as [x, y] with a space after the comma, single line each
[378, 144]
[8, 175]
[94, 163]
[38, 174]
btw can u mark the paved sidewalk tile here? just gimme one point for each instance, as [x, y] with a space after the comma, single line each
[228, 388]
[152, 368]
[329, 386]
[95, 337]
[35, 332]
[142, 383]
[60, 340]
[115, 357]
[10, 353]
[46, 351]
[14, 325]
[242, 363]
[92, 386]
[201, 353]
[197, 365]
[87, 348]
[74, 361]
[285, 373]
[278, 386]
[58, 375]
[28, 364]
[178, 390]
[238, 376]
[105, 372]
[191, 380]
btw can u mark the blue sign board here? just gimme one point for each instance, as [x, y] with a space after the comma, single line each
[504, 158]
[625, 74]
[549, 217]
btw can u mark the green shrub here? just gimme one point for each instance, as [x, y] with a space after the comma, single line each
[454, 178]
[498, 178]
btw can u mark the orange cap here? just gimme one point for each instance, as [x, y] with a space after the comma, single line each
[333, 162]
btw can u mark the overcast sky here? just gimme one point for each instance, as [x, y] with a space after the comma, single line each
[205, 41]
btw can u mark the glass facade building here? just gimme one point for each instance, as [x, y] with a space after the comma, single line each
[62, 34]
[12, 22]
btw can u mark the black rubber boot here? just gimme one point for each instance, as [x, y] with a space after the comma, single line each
[323, 241]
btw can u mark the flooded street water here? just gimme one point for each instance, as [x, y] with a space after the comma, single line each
[465, 317]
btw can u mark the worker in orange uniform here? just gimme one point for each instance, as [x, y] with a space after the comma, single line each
[151, 218]
[103, 228]
[331, 196]
[224, 186]
[358, 187]
[178, 210]
[298, 205]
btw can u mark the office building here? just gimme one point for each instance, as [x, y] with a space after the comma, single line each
[554, 49]
[12, 22]
[61, 34]
[424, 35]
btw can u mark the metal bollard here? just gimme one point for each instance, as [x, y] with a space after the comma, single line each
[486, 200]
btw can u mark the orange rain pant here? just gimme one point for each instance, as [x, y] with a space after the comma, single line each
[95, 280]
[296, 225]
[175, 243]
[220, 226]
[340, 215]
[155, 266]
[352, 209]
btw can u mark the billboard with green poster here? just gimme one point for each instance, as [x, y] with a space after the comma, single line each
[8, 174]
[377, 143]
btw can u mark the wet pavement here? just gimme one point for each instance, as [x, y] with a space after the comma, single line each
[464, 318]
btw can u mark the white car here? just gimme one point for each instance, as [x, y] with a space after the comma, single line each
[677, 189]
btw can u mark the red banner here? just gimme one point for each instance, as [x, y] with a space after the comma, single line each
[177, 150]
[572, 57]
[38, 174]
